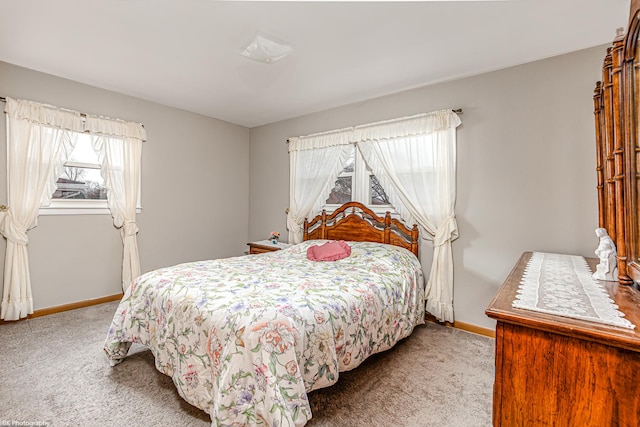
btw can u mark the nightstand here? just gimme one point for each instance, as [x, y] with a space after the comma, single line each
[262, 246]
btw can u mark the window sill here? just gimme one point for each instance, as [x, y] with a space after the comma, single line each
[78, 207]
[78, 211]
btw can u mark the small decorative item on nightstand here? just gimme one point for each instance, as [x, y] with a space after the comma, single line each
[275, 236]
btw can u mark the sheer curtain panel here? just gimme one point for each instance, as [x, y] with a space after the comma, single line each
[415, 161]
[314, 164]
[119, 148]
[40, 139]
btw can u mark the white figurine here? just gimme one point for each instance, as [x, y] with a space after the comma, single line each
[607, 269]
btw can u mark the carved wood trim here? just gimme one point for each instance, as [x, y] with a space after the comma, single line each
[355, 222]
[618, 150]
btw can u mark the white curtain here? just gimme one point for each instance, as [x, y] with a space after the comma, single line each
[314, 164]
[415, 161]
[40, 139]
[119, 148]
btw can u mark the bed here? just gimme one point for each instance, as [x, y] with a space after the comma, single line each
[246, 338]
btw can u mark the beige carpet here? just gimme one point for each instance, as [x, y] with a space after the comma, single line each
[53, 369]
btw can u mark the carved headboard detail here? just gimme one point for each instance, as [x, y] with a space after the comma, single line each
[355, 222]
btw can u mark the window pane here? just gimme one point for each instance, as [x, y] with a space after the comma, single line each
[351, 161]
[83, 152]
[341, 193]
[378, 196]
[80, 183]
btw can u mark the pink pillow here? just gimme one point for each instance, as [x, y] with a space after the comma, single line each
[330, 251]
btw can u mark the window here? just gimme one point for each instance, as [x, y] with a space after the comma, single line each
[81, 178]
[356, 183]
[81, 188]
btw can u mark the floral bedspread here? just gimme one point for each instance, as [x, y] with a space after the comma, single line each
[246, 338]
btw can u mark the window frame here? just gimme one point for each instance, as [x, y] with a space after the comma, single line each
[360, 187]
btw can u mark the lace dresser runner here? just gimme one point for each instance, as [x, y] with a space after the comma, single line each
[562, 285]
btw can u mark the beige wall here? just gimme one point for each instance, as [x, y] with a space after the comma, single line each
[195, 193]
[526, 178]
[526, 166]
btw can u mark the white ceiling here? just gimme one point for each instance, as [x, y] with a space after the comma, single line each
[186, 53]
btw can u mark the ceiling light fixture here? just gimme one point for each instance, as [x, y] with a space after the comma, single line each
[267, 51]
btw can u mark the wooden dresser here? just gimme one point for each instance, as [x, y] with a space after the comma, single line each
[557, 371]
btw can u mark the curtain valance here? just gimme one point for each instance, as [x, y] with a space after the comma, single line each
[61, 118]
[421, 124]
[115, 127]
[320, 140]
[43, 114]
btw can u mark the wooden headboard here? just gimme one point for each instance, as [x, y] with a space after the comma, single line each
[355, 222]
